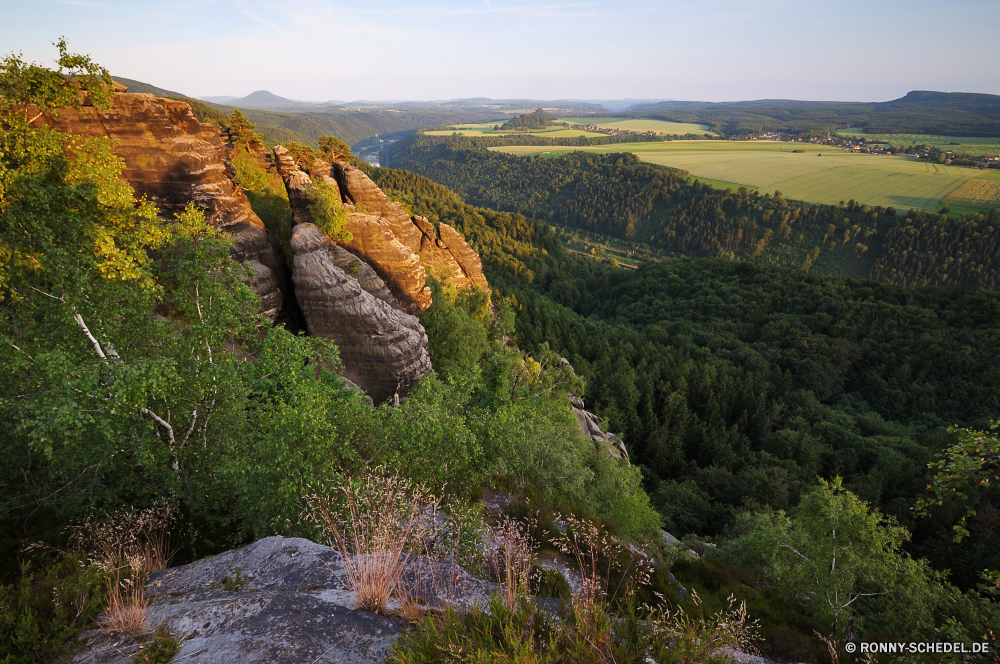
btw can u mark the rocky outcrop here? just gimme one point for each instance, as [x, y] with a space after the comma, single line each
[288, 604]
[402, 249]
[358, 189]
[173, 159]
[384, 350]
[590, 426]
[373, 240]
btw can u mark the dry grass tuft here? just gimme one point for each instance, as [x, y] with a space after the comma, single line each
[705, 638]
[127, 547]
[375, 522]
[510, 558]
[598, 555]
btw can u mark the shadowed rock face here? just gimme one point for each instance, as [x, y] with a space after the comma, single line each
[173, 159]
[383, 349]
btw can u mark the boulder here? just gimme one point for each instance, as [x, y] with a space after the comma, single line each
[277, 600]
[590, 426]
[384, 350]
[173, 159]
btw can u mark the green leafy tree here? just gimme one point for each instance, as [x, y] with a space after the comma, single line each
[967, 467]
[842, 558]
[242, 134]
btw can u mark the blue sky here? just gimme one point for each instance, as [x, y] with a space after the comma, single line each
[713, 50]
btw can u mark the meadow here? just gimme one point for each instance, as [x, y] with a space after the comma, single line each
[968, 145]
[817, 174]
[643, 124]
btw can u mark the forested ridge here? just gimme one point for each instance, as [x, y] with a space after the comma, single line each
[618, 195]
[918, 112]
[736, 385]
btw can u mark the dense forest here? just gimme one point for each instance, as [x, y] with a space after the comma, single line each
[918, 112]
[620, 196]
[736, 385]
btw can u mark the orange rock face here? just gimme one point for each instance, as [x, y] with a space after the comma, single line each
[173, 159]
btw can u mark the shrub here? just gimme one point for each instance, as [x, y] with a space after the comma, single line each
[161, 649]
[42, 614]
[327, 212]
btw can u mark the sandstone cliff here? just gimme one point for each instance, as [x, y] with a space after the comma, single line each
[383, 349]
[404, 250]
[364, 295]
[172, 159]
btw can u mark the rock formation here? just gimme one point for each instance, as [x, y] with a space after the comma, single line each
[364, 295]
[383, 349]
[402, 249]
[590, 426]
[288, 605]
[173, 159]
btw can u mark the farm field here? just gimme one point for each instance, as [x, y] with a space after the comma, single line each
[486, 129]
[970, 145]
[981, 192]
[660, 126]
[818, 174]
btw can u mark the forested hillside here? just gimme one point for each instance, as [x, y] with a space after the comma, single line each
[918, 112]
[618, 195]
[736, 385]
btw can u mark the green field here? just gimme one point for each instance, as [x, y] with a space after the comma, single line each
[819, 174]
[970, 145]
[486, 129]
[658, 126]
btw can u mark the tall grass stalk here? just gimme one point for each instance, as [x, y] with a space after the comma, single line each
[127, 547]
[511, 557]
[375, 522]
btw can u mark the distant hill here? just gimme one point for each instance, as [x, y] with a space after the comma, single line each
[264, 100]
[918, 112]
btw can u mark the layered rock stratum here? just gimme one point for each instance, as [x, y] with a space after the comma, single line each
[173, 159]
[383, 349]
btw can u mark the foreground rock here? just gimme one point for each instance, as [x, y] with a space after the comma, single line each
[383, 349]
[288, 606]
[173, 159]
